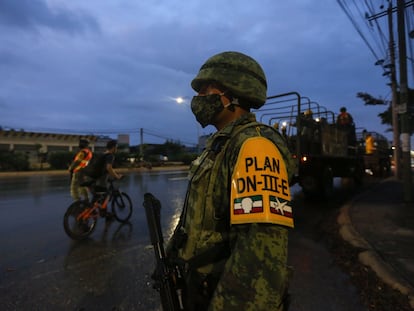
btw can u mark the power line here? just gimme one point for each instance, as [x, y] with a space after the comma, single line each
[347, 11]
[410, 26]
[158, 135]
[382, 36]
[370, 27]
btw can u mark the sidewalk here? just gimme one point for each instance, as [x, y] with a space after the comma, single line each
[381, 225]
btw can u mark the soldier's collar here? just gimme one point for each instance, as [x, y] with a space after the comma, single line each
[228, 129]
[221, 136]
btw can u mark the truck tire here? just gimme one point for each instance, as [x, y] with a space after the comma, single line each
[309, 186]
[384, 168]
[326, 182]
[359, 173]
[318, 187]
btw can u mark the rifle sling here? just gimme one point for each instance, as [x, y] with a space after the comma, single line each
[218, 252]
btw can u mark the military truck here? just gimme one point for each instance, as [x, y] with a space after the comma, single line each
[321, 148]
[379, 162]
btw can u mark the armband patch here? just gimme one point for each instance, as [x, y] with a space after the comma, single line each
[260, 189]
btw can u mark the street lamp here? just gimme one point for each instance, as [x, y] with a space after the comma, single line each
[182, 100]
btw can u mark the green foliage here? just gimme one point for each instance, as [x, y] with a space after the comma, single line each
[386, 116]
[121, 159]
[61, 160]
[187, 158]
[13, 161]
[169, 148]
[176, 152]
[370, 100]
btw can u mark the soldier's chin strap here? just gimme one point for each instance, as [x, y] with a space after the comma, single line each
[233, 101]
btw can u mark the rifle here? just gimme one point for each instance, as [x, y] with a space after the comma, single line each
[168, 278]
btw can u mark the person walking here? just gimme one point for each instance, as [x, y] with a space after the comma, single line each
[79, 162]
[232, 237]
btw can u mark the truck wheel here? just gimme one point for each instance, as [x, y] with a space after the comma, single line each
[326, 182]
[384, 168]
[359, 174]
[309, 186]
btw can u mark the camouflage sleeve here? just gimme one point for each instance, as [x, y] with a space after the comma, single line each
[255, 275]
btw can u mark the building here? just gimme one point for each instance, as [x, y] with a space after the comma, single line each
[38, 145]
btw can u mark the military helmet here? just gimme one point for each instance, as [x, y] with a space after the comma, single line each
[239, 73]
[308, 112]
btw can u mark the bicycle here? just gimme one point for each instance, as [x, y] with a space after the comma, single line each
[81, 217]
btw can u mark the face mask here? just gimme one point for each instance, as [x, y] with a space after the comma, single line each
[206, 108]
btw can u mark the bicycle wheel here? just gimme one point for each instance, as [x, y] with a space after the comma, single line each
[78, 229]
[121, 206]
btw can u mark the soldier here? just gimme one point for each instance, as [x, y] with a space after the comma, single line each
[346, 123]
[344, 118]
[369, 144]
[232, 236]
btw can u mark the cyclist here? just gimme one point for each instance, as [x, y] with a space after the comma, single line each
[108, 170]
[79, 162]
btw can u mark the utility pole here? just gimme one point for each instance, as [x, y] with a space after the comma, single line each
[141, 145]
[403, 106]
[395, 123]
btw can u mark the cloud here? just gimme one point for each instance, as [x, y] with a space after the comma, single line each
[34, 14]
[118, 64]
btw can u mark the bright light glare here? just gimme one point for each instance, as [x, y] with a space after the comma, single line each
[179, 100]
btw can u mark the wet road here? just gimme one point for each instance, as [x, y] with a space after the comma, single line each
[43, 269]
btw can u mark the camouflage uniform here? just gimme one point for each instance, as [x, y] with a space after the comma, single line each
[230, 266]
[254, 276]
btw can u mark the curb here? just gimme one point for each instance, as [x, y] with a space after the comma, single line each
[121, 170]
[368, 256]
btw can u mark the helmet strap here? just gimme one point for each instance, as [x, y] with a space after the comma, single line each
[233, 101]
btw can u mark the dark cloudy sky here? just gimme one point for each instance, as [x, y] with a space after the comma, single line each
[116, 66]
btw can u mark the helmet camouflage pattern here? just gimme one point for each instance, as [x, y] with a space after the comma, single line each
[239, 73]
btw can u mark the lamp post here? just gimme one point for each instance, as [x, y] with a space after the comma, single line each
[403, 105]
[394, 100]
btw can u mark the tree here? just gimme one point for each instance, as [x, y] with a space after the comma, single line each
[371, 100]
[386, 116]
[61, 160]
[14, 161]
